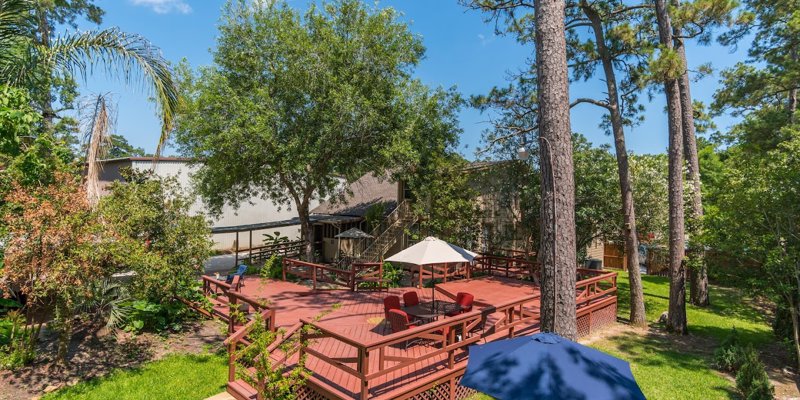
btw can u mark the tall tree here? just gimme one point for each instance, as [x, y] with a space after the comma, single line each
[755, 214]
[38, 60]
[614, 41]
[295, 102]
[748, 86]
[696, 18]
[668, 69]
[558, 251]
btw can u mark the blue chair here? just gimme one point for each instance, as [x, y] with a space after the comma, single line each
[239, 272]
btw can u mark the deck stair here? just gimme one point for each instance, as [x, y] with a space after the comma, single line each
[387, 233]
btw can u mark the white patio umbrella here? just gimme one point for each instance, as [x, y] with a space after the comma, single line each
[432, 251]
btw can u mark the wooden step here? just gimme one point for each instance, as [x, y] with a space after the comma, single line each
[241, 390]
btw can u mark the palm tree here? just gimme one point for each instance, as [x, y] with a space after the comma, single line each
[129, 56]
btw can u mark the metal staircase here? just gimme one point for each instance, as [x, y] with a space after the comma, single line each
[387, 233]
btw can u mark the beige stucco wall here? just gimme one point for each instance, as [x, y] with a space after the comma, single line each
[253, 211]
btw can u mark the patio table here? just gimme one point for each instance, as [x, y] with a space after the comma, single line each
[431, 310]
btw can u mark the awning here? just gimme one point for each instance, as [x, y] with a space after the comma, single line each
[354, 233]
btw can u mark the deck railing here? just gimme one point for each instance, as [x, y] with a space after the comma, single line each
[509, 267]
[261, 253]
[594, 284]
[237, 301]
[504, 252]
[318, 273]
[446, 339]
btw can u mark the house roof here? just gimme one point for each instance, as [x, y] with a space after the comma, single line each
[364, 193]
[159, 159]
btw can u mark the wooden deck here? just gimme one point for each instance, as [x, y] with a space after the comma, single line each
[356, 355]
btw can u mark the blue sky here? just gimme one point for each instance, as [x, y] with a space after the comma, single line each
[462, 51]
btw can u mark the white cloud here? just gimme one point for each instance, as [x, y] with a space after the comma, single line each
[486, 40]
[164, 6]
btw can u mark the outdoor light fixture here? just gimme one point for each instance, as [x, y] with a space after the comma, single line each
[523, 153]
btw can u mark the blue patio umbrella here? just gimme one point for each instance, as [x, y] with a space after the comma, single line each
[546, 366]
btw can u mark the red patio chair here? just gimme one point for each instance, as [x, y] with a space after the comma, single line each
[464, 301]
[399, 321]
[390, 303]
[410, 299]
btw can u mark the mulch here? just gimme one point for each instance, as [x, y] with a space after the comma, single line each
[91, 356]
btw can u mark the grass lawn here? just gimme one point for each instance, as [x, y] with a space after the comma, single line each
[179, 376]
[674, 367]
[729, 307]
[669, 366]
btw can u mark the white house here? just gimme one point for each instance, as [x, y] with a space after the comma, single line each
[264, 214]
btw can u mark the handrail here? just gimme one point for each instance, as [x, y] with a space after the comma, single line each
[244, 330]
[337, 335]
[391, 216]
[279, 245]
[491, 263]
[216, 282]
[288, 263]
[258, 305]
[388, 222]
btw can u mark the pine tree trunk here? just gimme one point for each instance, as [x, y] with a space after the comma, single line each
[558, 255]
[676, 320]
[698, 272]
[637, 314]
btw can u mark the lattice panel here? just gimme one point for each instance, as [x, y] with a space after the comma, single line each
[604, 317]
[463, 392]
[597, 319]
[438, 392]
[584, 325]
[305, 392]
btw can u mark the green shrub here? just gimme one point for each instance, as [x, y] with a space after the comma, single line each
[728, 356]
[752, 380]
[392, 275]
[156, 317]
[273, 268]
[17, 341]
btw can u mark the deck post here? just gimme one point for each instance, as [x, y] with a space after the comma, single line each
[250, 245]
[363, 368]
[451, 354]
[303, 342]
[283, 268]
[232, 361]
[236, 251]
[314, 276]
[233, 305]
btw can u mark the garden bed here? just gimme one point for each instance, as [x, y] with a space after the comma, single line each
[93, 357]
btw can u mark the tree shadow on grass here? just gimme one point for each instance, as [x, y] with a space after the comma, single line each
[657, 349]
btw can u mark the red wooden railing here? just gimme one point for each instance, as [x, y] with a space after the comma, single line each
[509, 267]
[595, 291]
[318, 273]
[443, 335]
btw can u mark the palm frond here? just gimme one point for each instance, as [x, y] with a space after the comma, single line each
[98, 128]
[15, 20]
[129, 56]
[108, 301]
